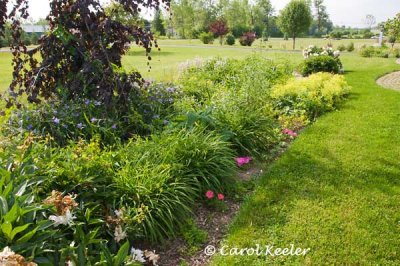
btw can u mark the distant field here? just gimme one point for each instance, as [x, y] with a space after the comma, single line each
[165, 63]
[279, 43]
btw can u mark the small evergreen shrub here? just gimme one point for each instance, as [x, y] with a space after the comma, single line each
[230, 39]
[206, 37]
[323, 63]
[350, 47]
[341, 48]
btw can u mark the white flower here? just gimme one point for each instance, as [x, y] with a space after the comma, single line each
[119, 213]
[70, 263]
[152, 256]
[336, 54]
[119, 234]
[66, 219]
[7, 252]
[137, 255]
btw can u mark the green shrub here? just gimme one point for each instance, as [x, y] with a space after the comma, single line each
[164, 176]
[367, 51]
[341, 48]
[396, 52]
[150, 108]
[322, 63]
[230, 39]
[308, 98]
[206, 37]
[350, 47]
[230, 96]
[371, 51]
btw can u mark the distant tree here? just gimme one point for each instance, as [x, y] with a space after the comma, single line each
[392, 28]
[370, 20]
[295, 18]
[321, 15]
[219, 28]
[157, 25]
[262, 12]
[116, 12]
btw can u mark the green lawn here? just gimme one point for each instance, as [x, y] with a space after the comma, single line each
[337, 189]
[278, 43]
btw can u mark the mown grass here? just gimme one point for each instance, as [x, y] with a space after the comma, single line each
[164, 63]
[337, 189]
[278, 43]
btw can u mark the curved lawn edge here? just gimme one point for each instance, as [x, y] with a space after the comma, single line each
[336, 190]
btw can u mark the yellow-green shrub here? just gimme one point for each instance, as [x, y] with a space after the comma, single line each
[305, 99]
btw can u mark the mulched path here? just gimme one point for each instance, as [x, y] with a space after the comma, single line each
[390, 81]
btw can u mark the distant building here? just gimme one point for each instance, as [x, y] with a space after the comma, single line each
[37, 29]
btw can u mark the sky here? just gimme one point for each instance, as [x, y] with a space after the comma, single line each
[342, 12]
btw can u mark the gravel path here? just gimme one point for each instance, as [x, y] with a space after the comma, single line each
[390, 81]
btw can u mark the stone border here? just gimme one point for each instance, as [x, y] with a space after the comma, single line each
[390, 81]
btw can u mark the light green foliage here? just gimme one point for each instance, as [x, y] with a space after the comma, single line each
[384, 52]
[235, 95]
[295, 18]
[310, 97]
[206, 37]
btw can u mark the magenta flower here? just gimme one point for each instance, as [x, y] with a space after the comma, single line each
[240, 161]
[221, 196]
[209, 194]
[289, 132]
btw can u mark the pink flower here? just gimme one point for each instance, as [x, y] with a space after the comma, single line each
[221, 196]
[289, 132]
[240, 161]
[209, 194]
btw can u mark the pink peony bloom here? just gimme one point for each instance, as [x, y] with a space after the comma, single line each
[240, 161]
[221, 196]
[209, 194]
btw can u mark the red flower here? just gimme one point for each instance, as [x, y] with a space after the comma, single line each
[221, 196]
[209, 194]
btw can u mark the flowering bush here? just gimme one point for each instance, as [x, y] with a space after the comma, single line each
[319, 59]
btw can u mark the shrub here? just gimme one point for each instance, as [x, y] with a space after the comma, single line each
[367, 51]
[247, 38]
[230, 96]
[396, 52]
[308, 98]
[350, 47]
[371, 51]
[230, 39]
[341, 48]
[323, 63]
[206, 37]
[150, 108]
[164, 176]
